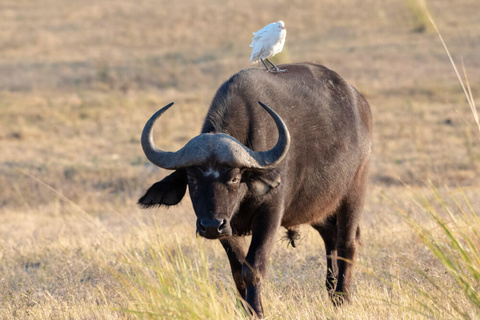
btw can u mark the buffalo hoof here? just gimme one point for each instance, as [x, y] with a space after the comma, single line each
[339, 298]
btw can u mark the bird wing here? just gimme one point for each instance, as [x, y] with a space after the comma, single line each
[256, 52]
[261, 33]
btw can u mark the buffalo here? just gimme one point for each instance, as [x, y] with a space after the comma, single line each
[249, 175]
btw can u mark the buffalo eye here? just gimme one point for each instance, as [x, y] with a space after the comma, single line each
[234, 180]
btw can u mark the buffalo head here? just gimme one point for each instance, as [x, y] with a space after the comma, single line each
[219, 170]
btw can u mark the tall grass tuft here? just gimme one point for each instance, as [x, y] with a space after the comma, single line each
[464, 84]
[452, 235]
[163, 281]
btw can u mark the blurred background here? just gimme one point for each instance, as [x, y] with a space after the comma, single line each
[78, 80]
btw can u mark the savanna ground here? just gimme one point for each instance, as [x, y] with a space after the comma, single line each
[78, 80]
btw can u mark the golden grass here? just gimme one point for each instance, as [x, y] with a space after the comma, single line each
[78, 80]
[454, 238]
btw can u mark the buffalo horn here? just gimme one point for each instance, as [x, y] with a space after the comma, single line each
[224, 148]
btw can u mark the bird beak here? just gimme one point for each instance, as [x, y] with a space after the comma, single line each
[282, 27]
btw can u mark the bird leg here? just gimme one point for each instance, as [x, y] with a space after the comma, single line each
[274, 66]
[265, 64]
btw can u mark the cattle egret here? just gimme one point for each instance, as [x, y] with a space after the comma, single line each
[267, 42]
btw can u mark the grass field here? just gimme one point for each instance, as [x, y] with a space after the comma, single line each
[78, 80]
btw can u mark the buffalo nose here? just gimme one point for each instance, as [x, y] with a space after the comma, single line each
[213, 226]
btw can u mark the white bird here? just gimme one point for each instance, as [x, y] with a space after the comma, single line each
[267, 42]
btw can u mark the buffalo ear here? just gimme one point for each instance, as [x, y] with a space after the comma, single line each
[167, 192]
[261, 183]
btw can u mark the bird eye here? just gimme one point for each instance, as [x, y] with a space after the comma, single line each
[192, 181]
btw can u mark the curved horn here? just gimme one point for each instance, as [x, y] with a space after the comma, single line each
[222, 147]
[156, 156]
[273, 156]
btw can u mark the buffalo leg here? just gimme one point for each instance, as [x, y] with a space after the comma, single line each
[328, 231]
[264, 229]
[235, 247]
[348, 231]
[346, 253]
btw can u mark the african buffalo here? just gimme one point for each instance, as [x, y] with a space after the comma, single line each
[247, 174]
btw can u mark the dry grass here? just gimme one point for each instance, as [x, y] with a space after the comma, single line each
[79, 79]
